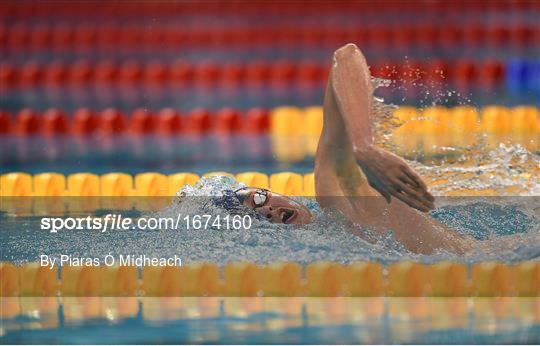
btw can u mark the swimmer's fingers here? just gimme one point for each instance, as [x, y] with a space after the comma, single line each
[412, 188]
[412, 201]
[406, 187]
[408, 180]
[415, 177]
[418, 182]
[414, 194]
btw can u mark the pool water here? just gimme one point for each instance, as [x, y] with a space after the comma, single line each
[507, 229]
[274, 320]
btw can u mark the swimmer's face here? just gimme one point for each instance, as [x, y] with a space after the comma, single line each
[274, 207]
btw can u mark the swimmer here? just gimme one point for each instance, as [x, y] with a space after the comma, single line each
[370, 186]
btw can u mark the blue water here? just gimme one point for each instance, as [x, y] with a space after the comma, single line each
[507, 229]
[278, 321]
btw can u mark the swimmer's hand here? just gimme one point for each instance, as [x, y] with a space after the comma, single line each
[391, 176]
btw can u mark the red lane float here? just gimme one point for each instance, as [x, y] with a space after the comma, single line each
[257, 121]
[258, 71]
[169, 122]
[28, 122]
[233, 73]
[437, 71]
[130, 72]
[106, 72]
[56, 73]
[30, 75]
[155, 73]
[491, 73]
[54, 122]
[464, 73]
[385, 69]
[207, 72]
[275, 9]
[5, 122]
[84, 122]
[111, 121]
[283, 71]
[310, 71]
[228, 120]
[103, 37]
[199, 121]
[8, 76]
[81, 72]
[142, 122]
[181, 72]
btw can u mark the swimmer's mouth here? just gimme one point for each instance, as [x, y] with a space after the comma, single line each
[287, 216]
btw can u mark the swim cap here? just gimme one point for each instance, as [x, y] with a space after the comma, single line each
[228, 201]
[232, 202]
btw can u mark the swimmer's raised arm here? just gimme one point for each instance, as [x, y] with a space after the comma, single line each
[387, 173]
[350, 82]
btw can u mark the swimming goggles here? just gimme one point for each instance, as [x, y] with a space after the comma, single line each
[260, 196]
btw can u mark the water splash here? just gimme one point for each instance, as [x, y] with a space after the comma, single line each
[329, 237]
[383, 116]
[508, 230]
[509, 169]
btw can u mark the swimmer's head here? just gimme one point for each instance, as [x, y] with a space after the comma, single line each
[274, 207]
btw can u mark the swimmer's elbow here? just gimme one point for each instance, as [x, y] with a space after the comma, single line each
[345, 52]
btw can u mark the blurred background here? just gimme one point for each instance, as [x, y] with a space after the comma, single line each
[201, 86]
